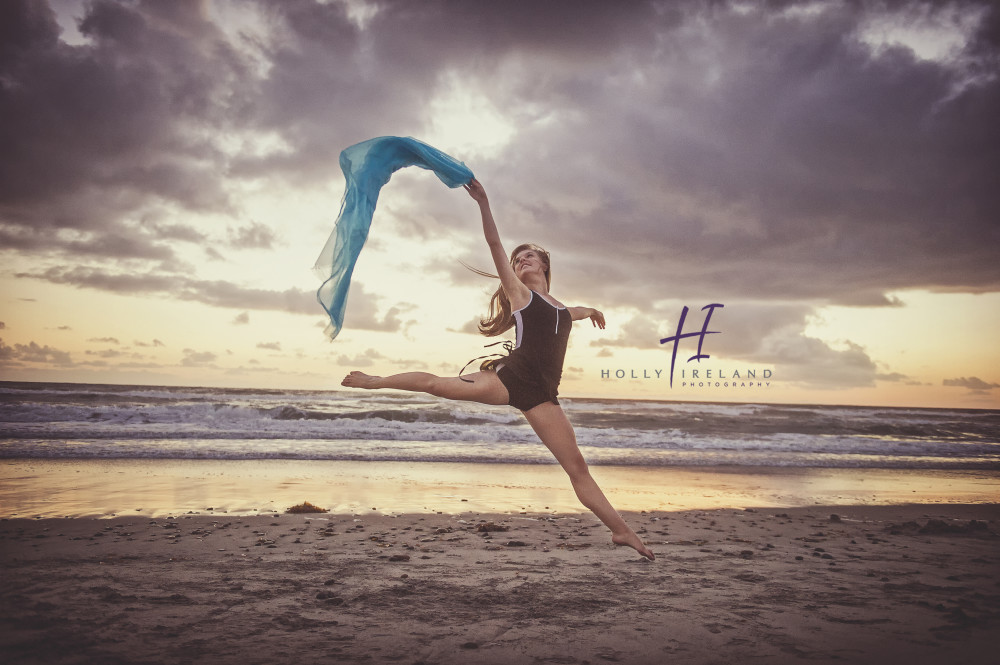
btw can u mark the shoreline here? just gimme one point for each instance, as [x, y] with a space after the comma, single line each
[160, 487]
[580, 397]
[860, 584]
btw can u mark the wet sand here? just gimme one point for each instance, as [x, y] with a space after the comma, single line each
[846, 584]
[162, 487]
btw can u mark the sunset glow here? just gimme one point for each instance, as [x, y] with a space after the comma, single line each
[824, 170]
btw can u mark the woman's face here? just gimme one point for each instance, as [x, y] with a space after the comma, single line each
[527, 261]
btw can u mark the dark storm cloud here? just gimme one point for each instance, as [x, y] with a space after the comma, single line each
[349, 84]
[115, 241]
[769, 156]
[101, 137]
[759, 152]
[210, 292]
[714, 150]
[118, 123]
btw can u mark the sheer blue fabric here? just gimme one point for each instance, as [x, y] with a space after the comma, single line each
[367, 166]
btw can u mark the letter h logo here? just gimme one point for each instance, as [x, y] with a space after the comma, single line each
[681, 335]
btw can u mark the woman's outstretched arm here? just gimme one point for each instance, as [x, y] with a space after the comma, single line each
[596, 316]
[516, 291]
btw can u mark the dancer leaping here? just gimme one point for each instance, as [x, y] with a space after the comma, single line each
[527, 378]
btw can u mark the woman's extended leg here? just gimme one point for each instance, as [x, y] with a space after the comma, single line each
[484, 387]
[556, 432]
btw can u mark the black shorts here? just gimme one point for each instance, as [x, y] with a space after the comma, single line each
[523, 395]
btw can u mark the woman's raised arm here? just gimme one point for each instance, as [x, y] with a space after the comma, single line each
[516, 291]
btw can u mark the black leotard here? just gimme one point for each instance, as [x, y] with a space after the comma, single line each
[532, 371]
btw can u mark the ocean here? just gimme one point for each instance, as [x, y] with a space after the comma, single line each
[80, 421]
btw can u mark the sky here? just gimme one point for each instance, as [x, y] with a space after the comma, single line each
[829, 172]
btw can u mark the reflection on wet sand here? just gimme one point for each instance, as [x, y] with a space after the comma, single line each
[56, 488]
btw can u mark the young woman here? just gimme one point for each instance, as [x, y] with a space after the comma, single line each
[528, 378]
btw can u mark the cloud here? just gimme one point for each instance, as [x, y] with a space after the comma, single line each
[106, 340]
[270, 346]
[253, 236]
[129, 113]
[211, 292]
[3, 325]
[33, 353]
[470, 327]
[973, 383]
[769, 152]
[154, 343]
[766, 153]
[138, 365]
[255, 369]
[364, 313]
[894, 377]
[105, 353]
[813, 363]
[179, 232]
[730, 152]
[115, 240]
[241, 319]
[214, 254]
[641, 331]
[366, 359]
[194, 358]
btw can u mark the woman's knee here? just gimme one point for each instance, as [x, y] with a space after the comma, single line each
[434, 385]
[575, 467]
[480, 388]
[446, 387]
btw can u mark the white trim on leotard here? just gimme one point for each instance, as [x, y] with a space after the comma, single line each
[519, 322]
[530, 298]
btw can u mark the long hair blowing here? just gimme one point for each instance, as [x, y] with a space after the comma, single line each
[500, 319]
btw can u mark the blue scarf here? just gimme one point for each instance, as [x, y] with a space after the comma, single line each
[367, 166]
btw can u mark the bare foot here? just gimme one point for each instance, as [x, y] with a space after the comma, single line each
[360, 380]
[631, 540]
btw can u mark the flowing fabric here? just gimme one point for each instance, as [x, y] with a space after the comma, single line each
[367, 166]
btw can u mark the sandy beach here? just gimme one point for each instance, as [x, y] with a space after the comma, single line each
[847, 584]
